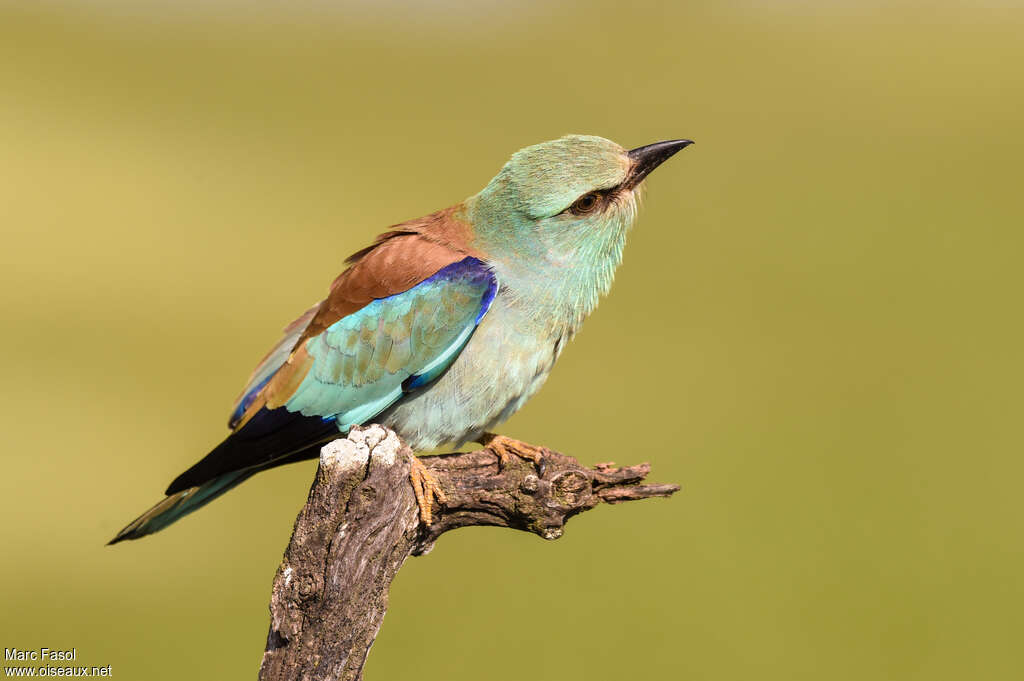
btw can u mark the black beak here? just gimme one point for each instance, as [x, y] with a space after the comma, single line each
[647, 158]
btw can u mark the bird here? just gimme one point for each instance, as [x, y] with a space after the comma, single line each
[442, 328]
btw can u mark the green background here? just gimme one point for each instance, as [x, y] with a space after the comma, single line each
[817, 328]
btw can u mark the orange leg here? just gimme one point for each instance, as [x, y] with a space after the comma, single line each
[427, 490]
[506, 448]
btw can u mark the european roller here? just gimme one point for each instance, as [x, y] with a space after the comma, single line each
[443, 327]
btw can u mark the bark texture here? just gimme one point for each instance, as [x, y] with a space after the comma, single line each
[361, 522]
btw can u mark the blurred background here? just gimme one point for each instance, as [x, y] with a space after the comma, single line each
[817, 325]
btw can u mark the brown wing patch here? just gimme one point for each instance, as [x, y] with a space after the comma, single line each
[398, 260]
[381, 238]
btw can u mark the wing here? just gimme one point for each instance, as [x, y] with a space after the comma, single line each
[270, 363]
[355, 368]
[364, 362]
[399, 260]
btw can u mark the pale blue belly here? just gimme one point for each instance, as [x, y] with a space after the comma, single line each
[505, 362]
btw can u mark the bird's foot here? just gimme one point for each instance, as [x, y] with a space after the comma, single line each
[506, 448]
[427, 490]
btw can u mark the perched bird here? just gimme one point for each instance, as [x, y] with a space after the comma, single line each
[443, 327]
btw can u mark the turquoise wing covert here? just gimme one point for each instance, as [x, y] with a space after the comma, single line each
[366, 361]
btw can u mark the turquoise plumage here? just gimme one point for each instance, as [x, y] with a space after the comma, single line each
[445, 326]
[363, 363]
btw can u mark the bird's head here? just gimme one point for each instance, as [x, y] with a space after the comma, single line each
[567, 203]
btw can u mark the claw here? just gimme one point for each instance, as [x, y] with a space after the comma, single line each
[427, 490]
[505, 448]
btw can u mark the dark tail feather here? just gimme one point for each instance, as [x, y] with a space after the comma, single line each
[181, 504]
[271, 438]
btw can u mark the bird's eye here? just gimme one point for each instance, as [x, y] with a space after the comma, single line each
[586, 203]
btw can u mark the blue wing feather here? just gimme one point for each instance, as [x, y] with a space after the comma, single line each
[361, 365]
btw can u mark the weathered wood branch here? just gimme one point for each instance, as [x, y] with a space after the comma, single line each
[361, 522]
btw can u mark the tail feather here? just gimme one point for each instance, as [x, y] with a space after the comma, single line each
[180, 504]
[269, 436]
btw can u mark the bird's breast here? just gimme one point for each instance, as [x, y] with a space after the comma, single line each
[503, 364]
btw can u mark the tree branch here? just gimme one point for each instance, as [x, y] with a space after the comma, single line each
[361, 522]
